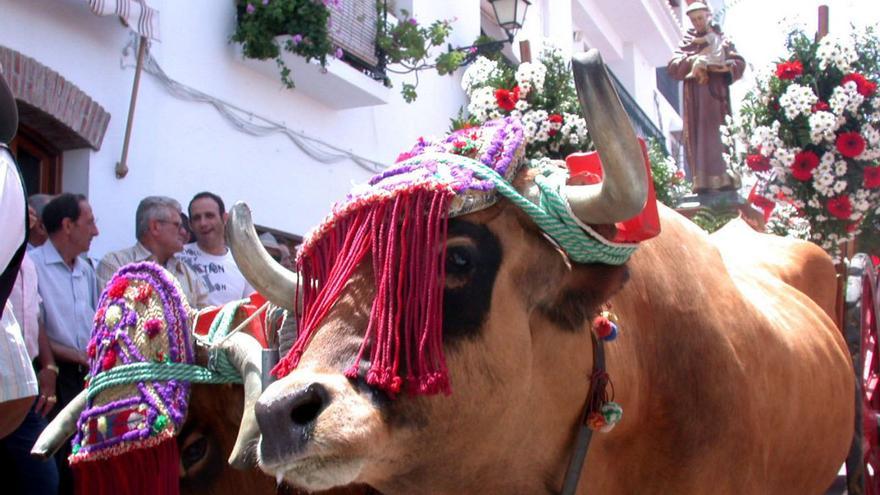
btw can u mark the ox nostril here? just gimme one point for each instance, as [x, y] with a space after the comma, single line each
[286, 421]
[308, 404]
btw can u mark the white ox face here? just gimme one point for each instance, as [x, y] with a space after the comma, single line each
[513, 336]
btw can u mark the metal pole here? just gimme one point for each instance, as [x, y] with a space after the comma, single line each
[122, 166]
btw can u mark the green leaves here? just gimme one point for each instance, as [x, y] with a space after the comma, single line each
[304, 20]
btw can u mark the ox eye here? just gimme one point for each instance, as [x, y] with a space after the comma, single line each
[460, 261]
[193, 452]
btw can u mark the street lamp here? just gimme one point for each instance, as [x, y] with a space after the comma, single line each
[510, 14]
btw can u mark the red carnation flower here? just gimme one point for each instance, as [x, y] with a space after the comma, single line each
[850, 144]
[507, 99]
[863, 85]
[840, 207]
[758, 162]
[789, 70]
[872, 177]
[555, 118]
[117, 288]
[804, 163]
[820, 106]
[552, 132]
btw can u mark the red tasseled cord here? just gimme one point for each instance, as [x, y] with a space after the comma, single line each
[146, 470]
[406, 237]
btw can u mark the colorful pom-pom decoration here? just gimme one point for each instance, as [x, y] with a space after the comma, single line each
[605, 326]
[117, 288]
[606, 418]
[153, 327]
[112, 316]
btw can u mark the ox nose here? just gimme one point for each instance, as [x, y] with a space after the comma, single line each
[286, 422]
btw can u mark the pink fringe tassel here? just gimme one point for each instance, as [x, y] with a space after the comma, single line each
[406, 237]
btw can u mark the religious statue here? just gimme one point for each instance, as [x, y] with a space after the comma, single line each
[707, 63]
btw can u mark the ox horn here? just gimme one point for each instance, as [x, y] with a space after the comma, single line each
[60, 429]
[623, 192]
[272, 280]
[245, 354]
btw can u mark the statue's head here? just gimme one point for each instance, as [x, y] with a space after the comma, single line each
[700, 16]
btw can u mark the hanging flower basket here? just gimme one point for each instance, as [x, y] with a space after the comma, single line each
[260, 22]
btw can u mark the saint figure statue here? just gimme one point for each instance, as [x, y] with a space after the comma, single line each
[707, 63]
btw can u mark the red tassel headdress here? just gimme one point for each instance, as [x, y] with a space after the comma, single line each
[400, 218]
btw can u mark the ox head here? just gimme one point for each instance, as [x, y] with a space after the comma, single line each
[513, 334]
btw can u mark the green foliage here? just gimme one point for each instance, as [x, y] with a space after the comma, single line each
[305, 20]
[407, 45]
[670, 184]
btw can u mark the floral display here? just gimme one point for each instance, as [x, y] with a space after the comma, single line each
[540, 94]
[808, 136]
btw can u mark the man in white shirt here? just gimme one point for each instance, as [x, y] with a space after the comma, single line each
[209, 256]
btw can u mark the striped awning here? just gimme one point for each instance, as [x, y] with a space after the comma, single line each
[139, 16]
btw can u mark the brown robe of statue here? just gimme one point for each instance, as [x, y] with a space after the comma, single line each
[705, 106]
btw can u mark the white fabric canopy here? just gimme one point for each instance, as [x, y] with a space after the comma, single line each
[139, 16]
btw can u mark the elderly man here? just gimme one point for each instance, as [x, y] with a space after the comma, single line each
[158, 231]
[69, 290]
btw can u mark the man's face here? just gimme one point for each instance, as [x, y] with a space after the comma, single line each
[166, 232]
[207, 221]
[83, 230]
[700, 20]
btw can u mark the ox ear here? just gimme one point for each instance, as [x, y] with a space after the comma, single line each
[581, 293]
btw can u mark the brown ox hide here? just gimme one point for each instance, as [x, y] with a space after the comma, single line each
[729, 384]
[803, 265]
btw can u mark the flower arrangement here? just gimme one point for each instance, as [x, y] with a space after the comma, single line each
[808, 135]
[260, 22]
[541, 94]
[670, 183]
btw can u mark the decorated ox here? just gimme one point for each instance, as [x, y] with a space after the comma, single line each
[456, 325]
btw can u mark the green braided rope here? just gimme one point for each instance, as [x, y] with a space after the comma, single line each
[155, 372]
[218, 361]
[552, 214]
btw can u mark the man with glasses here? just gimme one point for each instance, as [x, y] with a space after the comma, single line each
[158, 230]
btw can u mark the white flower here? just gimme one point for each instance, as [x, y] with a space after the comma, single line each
[478, 73]
[797, 100]
[531, 76]
[822, 127]
[845, 97]
[482, 102]
[836, 51]
[521, 104]
[840, 168]
[839, 186]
